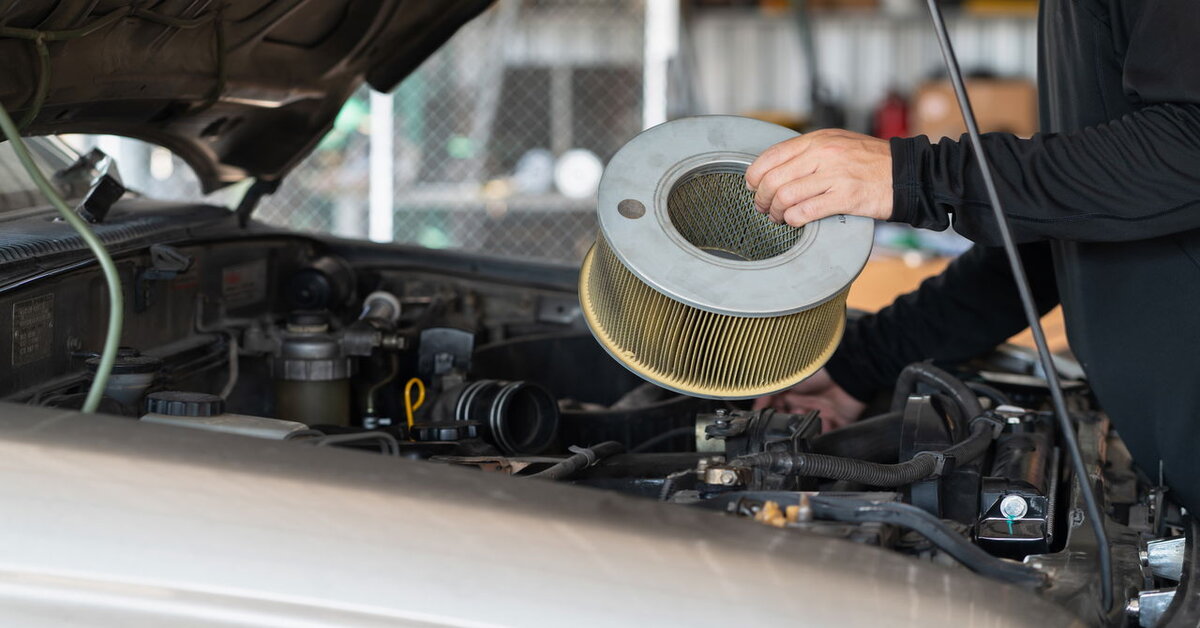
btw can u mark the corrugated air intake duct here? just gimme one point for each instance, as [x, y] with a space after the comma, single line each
[691, 288]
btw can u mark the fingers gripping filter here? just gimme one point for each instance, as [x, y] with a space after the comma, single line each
[691, 288]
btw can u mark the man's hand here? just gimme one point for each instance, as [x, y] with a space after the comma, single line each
[819, 392]
[823, 173]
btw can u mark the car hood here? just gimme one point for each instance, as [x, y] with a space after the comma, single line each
[122, 523]
[237, 89]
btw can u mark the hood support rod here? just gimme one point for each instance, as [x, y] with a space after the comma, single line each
[249, 202]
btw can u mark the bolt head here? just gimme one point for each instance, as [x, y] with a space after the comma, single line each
[729, 477]
[1014, 506]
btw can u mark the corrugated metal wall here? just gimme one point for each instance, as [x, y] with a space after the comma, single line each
[747, 60]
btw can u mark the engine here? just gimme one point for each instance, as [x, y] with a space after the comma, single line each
[960, 465]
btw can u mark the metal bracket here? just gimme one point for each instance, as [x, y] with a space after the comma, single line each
[258, 189]
[941, 462]
[166, 262]
[94, 178]
[1165, 557]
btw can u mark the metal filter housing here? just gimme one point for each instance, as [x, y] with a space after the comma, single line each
[691, 288]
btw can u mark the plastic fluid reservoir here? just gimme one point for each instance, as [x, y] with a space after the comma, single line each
[312, 374]
[207, 412]
[132, 374]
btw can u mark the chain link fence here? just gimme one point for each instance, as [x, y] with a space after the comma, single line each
[500, 137]
[495, 144]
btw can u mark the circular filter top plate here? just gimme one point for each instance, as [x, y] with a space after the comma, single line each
[674, 207]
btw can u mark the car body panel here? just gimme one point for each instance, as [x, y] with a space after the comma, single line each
[121, 523]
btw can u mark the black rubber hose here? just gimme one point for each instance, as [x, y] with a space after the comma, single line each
[998, 398]
[955, 420]
[946, 539]
[930, 375]
[579, 461]
[869, 473]
[875, 439]
[922, 466]
[975, 445]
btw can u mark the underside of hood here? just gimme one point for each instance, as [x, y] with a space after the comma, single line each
[238, 89]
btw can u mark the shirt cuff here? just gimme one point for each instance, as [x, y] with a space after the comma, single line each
[912, 203]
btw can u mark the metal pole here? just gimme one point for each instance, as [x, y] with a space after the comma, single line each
[661, 44]
[381, 200]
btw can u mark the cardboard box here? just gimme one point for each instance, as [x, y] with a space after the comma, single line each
[1001, 105]
[886, 278]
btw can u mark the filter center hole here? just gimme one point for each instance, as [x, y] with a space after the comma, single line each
[711, 208]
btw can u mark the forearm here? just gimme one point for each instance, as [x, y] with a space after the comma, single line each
[963, 312]
[1133, 178]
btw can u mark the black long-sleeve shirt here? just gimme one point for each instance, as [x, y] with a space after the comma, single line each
[1107, 202]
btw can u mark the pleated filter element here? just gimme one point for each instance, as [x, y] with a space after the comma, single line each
[709, 209]
[691, 288]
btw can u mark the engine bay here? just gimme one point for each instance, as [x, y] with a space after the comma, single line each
[457, 363]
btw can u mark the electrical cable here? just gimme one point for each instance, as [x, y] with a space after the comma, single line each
[43, 83]
[909, 516]
[39, 38]
[923, 465]
[1104, 551]
[582, 459]
[222, 66]
[231, 383]
[116, 302]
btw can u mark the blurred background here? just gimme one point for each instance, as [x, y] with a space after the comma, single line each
[496, 144]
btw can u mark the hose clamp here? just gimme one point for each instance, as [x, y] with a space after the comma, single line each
[996, 421]
[941, 462]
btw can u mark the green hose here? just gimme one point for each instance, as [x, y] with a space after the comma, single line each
[116, 306]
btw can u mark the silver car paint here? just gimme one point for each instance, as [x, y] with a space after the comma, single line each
[109, 522]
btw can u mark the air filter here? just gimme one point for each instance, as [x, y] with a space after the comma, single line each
[691, 288]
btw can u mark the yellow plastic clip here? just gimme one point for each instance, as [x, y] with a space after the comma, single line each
[411, 406]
